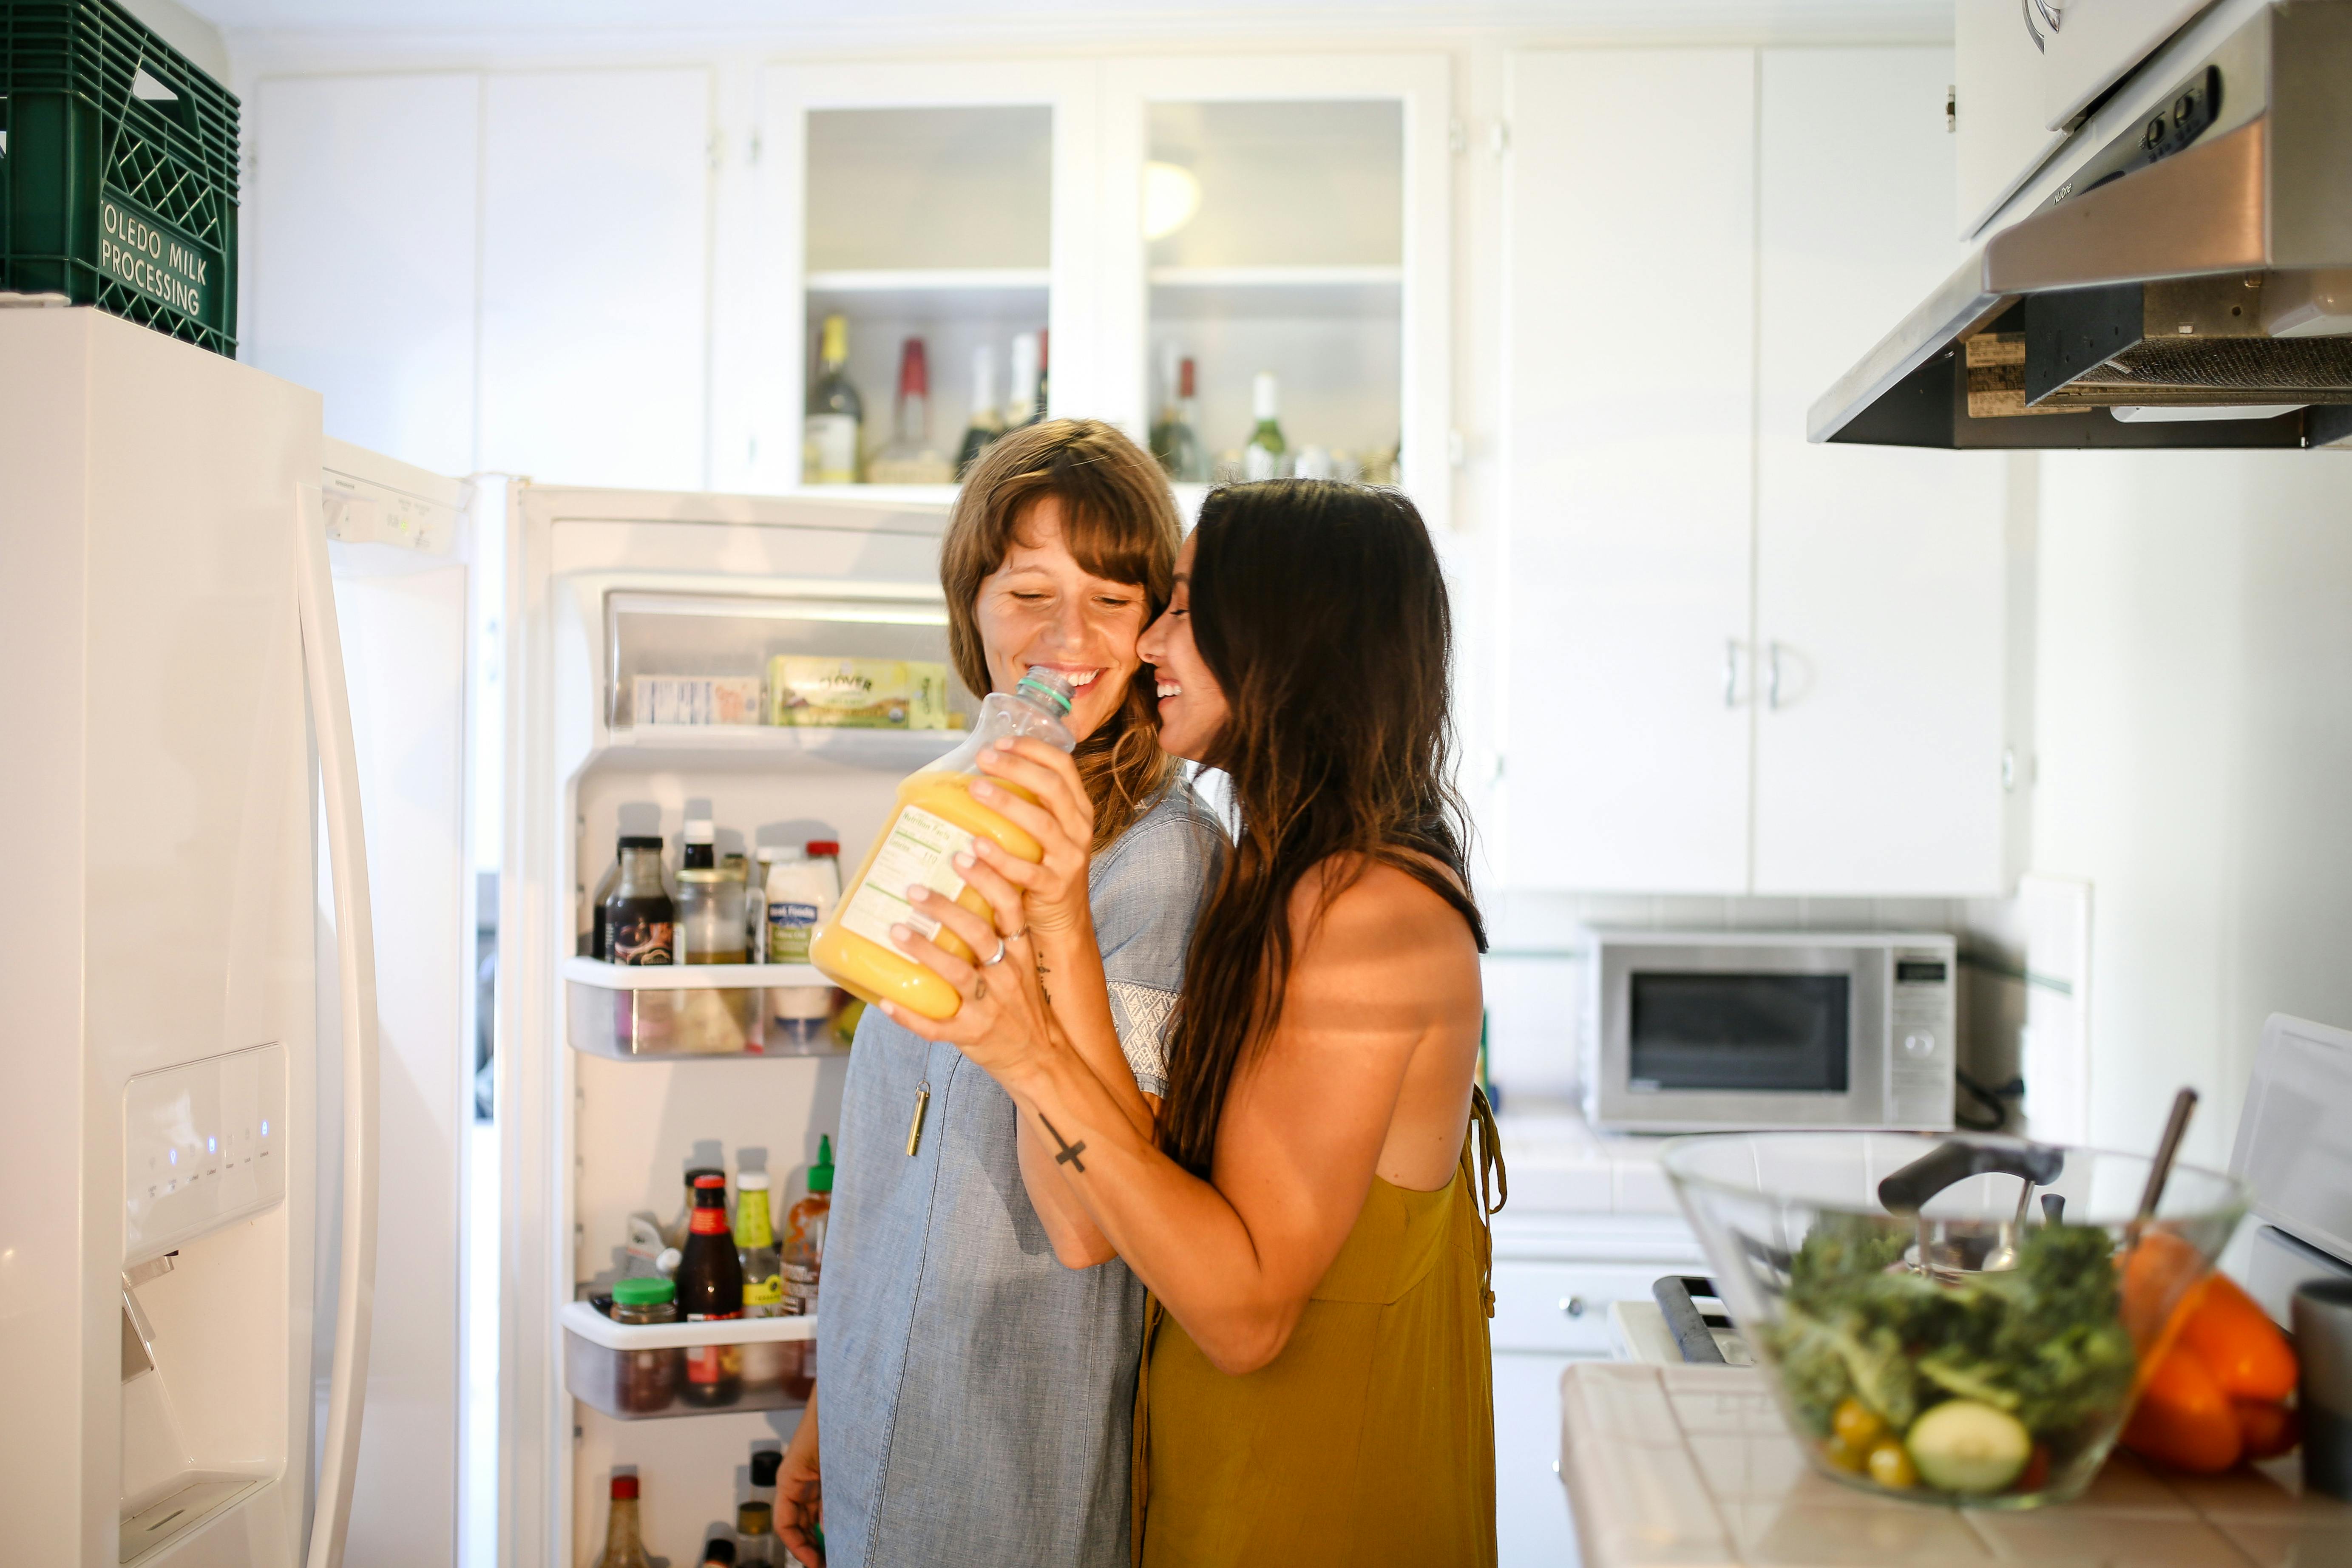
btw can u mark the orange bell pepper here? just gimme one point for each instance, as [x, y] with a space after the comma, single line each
[2183, 1419]
[2238, 1343]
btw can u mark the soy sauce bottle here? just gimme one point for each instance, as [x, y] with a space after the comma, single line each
[640, 921]
[711, 1286]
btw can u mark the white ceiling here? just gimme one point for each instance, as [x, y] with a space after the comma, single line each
[1341, 19]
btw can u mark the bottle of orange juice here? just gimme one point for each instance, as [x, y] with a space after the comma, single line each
[936, 820]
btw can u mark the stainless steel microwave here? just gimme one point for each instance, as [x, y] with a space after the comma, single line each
[1699, 1031]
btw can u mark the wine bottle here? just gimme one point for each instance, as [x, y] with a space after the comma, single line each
[1268, 455]
[987, 418]
[836, 414]
[1027, 403]
[910, 458]
[1175, 440]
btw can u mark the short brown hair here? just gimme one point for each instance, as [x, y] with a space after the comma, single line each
[1119, 521]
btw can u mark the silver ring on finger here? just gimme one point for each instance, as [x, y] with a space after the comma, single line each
[995, 958]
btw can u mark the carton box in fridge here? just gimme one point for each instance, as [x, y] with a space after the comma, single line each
[697, 698]
[857, 693]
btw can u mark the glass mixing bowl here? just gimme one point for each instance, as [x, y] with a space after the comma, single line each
[1953, 1318]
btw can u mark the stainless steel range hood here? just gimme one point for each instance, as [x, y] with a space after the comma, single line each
[2190, 284]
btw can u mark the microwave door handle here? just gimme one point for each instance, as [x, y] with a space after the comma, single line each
[331, 712]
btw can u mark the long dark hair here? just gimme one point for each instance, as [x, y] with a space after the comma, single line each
[1118, 520]
[1320, 610]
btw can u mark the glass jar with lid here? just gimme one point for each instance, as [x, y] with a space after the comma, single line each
[648, 1379]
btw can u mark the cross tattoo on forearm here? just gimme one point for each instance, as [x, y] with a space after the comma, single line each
[1070, 1151]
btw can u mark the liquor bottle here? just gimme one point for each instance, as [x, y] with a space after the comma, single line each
[1268, 455]
[624, 1546]
[710, 1289]
[1027, 403]
[909, 458]
[763, 1279]
[640, 921]
[987, 418]
[1175, 440]
[836, 414]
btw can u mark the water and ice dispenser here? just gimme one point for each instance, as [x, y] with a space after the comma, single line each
[205, 1291]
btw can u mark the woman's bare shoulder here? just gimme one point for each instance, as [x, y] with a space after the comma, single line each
[1379, 912]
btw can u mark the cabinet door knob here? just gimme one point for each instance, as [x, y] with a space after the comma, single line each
[1572, 1305]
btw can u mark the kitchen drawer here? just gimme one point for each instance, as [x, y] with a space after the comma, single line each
[1563, 1308]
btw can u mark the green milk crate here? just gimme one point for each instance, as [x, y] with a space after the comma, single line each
[118, 171]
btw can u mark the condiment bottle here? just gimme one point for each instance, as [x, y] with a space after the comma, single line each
[717, 1553]
[936, 819]
[640, 921]
[804, 1260]
[755, 1535]
[764, 1284]
[710, 1290]
[623, 1546]
[801, 891]
[648, 1377]
[709, 916]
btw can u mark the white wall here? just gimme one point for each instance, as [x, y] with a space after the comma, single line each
[186, 32]
[2195, 749]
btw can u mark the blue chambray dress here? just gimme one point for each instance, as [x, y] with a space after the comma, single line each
[977, 1396]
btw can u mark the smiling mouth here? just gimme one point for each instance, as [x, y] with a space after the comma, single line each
[1080, 679]
[1170, 688]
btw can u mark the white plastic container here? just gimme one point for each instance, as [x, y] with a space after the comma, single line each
[801, 891]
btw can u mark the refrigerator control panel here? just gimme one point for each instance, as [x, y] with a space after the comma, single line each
[203, 1144]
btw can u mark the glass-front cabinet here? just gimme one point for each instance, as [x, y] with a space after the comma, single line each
[927, 237]
[1241, 260]
[1275, 284]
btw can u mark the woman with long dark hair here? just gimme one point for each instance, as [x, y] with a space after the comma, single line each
[1308, 1212]
[974, 1370]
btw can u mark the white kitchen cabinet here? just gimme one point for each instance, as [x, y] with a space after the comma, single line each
[2000, 138]
[1735, 662]
[1532, 1528]
[1880, 592]
[594, 303]
[1629, 423]
[360, 255]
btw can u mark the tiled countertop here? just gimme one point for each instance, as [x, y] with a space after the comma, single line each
[1559, 1165]
[1692, 1467]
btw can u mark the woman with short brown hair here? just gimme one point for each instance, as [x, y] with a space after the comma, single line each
[977, 1341]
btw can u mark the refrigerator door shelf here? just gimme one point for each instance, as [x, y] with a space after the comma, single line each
[639, 1372]
[769, 746]
[605, 976]
[669, 1011]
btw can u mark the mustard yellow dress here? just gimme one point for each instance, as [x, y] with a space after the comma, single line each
[1371, 1436]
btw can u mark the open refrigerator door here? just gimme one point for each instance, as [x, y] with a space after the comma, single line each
[772, 668]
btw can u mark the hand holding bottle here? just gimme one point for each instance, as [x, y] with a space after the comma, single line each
[1059, 814]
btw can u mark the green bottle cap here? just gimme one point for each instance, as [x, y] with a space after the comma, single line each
[821, 1173]
[643, 1292]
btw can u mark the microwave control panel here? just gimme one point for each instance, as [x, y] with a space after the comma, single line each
[1924, 1038]
[203, 1144]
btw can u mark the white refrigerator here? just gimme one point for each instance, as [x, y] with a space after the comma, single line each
[616, 1082]
[236, 948]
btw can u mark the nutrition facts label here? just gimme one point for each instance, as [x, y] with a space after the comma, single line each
[921, 848]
